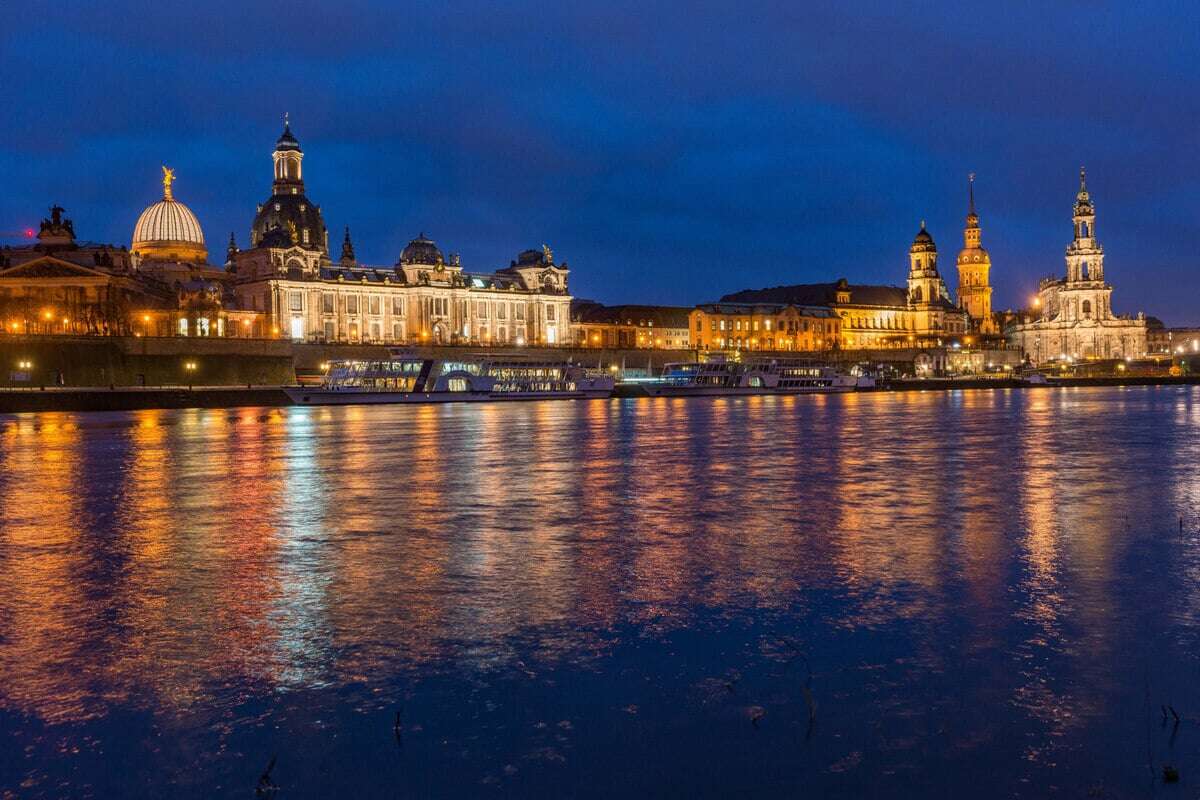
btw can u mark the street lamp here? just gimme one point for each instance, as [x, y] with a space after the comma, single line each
[190, 368]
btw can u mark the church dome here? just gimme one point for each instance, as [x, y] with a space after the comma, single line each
[421, 251]
[923, 242]
[168, 230]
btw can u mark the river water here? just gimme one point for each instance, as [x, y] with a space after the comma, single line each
[873, 595]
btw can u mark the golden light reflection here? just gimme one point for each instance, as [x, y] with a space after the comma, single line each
[297, 548]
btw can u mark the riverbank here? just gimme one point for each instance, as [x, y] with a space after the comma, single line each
[128, 398]
[946, 384]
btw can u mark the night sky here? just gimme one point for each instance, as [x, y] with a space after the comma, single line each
[669, 152]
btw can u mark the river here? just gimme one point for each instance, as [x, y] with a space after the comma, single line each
[991, 592]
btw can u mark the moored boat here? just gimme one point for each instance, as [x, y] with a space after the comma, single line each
[717, 375]
[406, 378]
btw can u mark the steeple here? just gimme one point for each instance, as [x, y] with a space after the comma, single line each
[1085, 256]
[286, 140]
[1083, 201]
[347, 249]
[232, 250]
[974, 266]
[287, 157]
[971, 232]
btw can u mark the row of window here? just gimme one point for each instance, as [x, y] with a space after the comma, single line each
[435, 306]
[788, 326]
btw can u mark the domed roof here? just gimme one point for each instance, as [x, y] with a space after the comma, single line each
[167, 221]
[923, 242]
[289, 212]
[422, 250]
[168, 229]
[286, 140]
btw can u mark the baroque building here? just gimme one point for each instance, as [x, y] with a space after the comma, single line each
[1075, 317]
[425, 297]
[871, 316]
[60, 285]
[974, 266]
[635, 326]
[764, 326]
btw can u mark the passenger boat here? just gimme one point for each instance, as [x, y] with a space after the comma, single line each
[718, 375]
[408, 378]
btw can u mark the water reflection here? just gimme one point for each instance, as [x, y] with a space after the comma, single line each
[930, 552]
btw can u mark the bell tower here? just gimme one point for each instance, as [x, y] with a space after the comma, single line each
[925, 285]
[1085, 256]
[974, 268]
[287, 158]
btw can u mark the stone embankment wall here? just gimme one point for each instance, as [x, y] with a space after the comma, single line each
[155, 361]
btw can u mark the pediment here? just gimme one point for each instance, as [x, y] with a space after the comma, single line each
[50, 267]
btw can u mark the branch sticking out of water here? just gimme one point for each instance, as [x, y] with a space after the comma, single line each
[266, 786]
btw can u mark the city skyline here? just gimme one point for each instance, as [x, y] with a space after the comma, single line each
[719, 170]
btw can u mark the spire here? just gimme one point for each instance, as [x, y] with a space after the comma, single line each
[232, 250]
[347, 248]
[167, 179]
[971, 195]
[1083, 200]
[286, 140]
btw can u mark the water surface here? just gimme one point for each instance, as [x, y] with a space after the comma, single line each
[878, 595]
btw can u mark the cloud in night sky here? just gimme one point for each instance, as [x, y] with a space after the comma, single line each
[671, 152]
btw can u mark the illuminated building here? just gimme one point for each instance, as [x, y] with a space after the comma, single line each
[1075, 317]
[634, 326]
[425, 297]
[880, 316]
[61, 285]
[170, 255]
[764, 326]
[1173, 341]
[974, 266]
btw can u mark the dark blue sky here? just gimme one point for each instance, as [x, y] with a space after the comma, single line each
[670, 152]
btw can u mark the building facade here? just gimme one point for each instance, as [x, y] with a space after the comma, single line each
[288, 276]
[764, 326]
[872, 316]
[631, 326]
[1074, 318]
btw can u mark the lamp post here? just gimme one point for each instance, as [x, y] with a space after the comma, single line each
[189, 368]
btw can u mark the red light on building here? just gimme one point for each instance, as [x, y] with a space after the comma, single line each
[29, 233]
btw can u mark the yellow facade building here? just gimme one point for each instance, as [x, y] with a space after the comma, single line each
[635, 326]
[763, 326]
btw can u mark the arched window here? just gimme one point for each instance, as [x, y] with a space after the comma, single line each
[917, 294]
[1083, 229]
[1087, 308]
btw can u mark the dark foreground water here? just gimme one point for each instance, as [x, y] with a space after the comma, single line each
[883, 595]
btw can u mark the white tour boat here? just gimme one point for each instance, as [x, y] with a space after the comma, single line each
[407, 378]
[717, 375]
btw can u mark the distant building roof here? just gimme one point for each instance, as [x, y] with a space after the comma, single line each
[658, 316]
[822, 294]
[763, 309]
